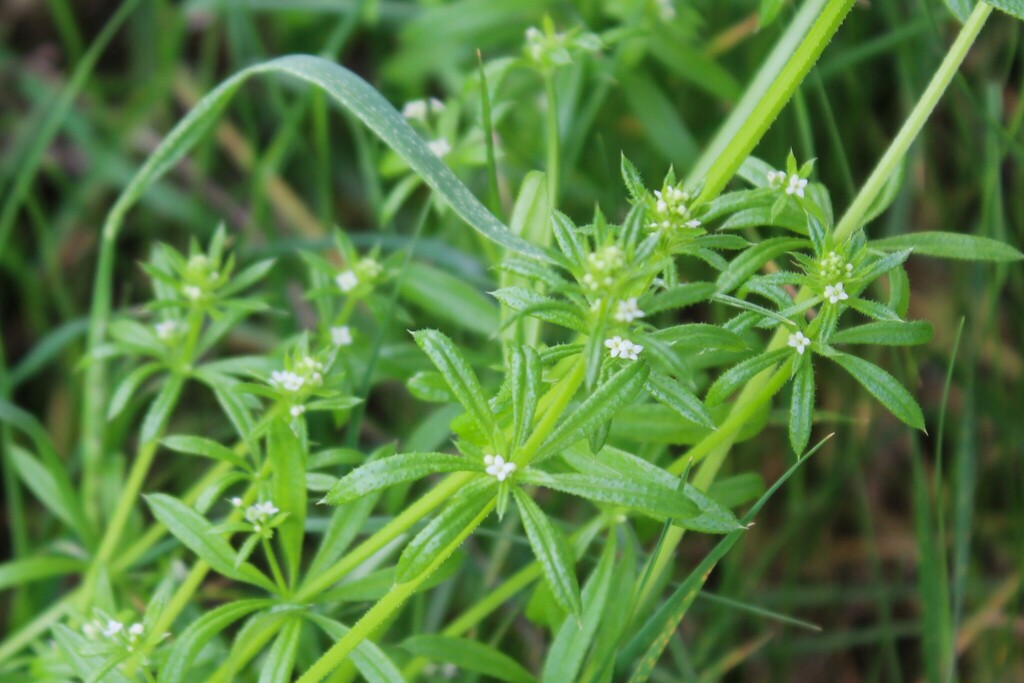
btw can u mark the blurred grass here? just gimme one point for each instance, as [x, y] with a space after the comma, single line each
[905, 550]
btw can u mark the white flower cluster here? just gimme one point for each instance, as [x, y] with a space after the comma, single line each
[833, 268]
[792, 183]
[199, 276]
[341, 335]
[623, 348]
[289, 381]
[440, 147]
[367, 270]
[627, 311]
[418, 109]
[799, 342]
[671, 210]
[498, 468]
[115, 630]
[167, 329]
[258, 514]
[347, 280]
[602, 266]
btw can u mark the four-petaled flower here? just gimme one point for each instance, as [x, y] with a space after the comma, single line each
[347, 281]
[341, 336]
[623, 348]
[796, 185]
[417, 109]
[835, 293]
[498, 468]
[440, 147]
[297, 410]
[112, 628]
[289, 381]
[258, 513]
[627, 311]
[799, 342]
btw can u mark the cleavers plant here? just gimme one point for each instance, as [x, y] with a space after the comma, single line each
[275, 546]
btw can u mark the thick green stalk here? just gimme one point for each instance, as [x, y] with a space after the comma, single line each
[853, 219]
[753, 395]
[385, 607]
[761, 117]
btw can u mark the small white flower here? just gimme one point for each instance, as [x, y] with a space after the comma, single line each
[112, 628]
[666, 10]
[297, 410]
[347, 281]
[166, 329]
[289, 381]
[235, 502]
[417, 109]
[623, 348]
[135, 631]
[257, 513]
[799, 342]
[449, 671]
[835, 293]
[796, 185]
[776, 179]
[627, 311]
[191, 292]
[341, 336]
[439, 147]
[498, 468]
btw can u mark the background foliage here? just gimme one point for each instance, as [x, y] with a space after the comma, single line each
[846, 545]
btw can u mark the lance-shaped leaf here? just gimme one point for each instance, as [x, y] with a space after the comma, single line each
[679, 296]
[569, 239]
[524, 370]
[671, 393]
[886, 333]
[397, 469]
[575, 636]
[207, 448]
[444, 528]
[652, 499]
[600, 407]
[460, 377]
[125, 391]
[731, 380]
[951, 245]
[801, 412]
[884, 387]
[751, 260]
[280, 660]
[552, 551]
[468, 654]
[196, 533]
[371, 662]
[527, 302]
[701, 336]
[193, 639]
[287, 455]
[872, 309]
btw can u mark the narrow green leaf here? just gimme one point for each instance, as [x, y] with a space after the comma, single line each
[751, 260]
[31, 569]
[444, 528]
[195, 637]
[287, 455]
[528, 302]
[655, 500]
[51, 486]
[872, 309]
[449, 298]
[1015, 8]
[569, 240]
[731, 380]
[679, 296]
[951, 245]
[85, 663]
[468, 654]
[886, 333]
[195, 533]
[801, 412]
[671, 393]
[460, 376]
[397, 469]
[371, 662]
[125, 391]
[198, 445]
[277, 666]
[524, 370]
[701, 336]
[598, 408]
[884, 387]
[574, 637]
[552, 551]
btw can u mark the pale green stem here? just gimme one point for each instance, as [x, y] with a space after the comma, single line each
[553, 143]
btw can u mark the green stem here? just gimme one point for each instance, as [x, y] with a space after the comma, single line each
[554, 153]
[385, 607]
[768, 107]
[275, 569]
[854, 217]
